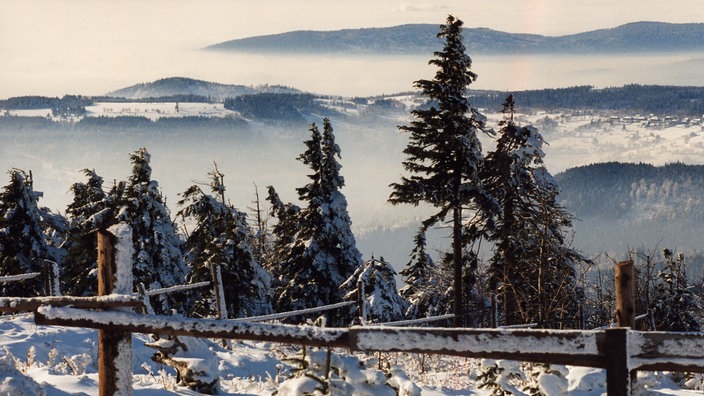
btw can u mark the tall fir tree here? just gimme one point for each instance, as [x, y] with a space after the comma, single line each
[23, 244]
[321, 252]
[221, 237]
[158, 261]
[444, 155]
[532, 268]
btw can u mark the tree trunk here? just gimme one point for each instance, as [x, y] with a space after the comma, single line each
[457, 265]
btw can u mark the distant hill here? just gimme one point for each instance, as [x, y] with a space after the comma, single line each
[422, 39]
[622, 205]
[174, 86]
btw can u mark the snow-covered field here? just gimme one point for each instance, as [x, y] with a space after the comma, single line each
[58, 361]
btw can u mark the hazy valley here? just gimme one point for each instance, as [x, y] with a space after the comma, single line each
[255, 142]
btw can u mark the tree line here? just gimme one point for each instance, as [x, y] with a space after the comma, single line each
[646, 99]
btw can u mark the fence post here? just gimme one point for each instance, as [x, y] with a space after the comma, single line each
[625, 294]
[361, 301]
[113, 346]
[619, 377]
[220, 306]
[48, 278]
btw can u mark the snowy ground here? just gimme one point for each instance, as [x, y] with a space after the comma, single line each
[59, 361]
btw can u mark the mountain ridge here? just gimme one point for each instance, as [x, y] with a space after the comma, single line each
[632, 37]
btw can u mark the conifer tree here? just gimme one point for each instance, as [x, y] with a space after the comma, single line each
[444, 155]
[23, 244]
[90, 210]
[532, 269]
[158, 261]
[674, 305]
[321, 251]
[418, 269]
[284, 232]
[427, 287]
[221, 237]
[382, 301]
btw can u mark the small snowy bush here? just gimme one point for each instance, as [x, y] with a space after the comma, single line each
[322, 372]
[501, 377]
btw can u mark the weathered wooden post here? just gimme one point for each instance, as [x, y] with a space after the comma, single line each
[114, 347]
[220, 305]
[47, 278]
[619, 376]
[361, 303]
[625, 294]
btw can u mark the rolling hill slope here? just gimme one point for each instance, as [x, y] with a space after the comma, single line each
[634, 37]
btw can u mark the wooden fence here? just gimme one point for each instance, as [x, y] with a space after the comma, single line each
[620, 351]
[49, 274]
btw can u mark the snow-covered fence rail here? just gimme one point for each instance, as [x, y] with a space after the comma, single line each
[27, 304]
[282, 315]
[50, 273]
[19, 277]
[410, 322]
[177, 288]
[620, 351]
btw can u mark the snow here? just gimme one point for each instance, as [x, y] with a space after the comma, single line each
[123, 257]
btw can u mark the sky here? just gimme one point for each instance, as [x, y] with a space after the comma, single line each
[51, 47]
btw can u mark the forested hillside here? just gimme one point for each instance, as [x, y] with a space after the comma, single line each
[647, 99]
[622, 205]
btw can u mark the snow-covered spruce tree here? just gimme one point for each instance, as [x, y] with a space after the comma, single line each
[321, 253]
[428, 286]
[284, 233]
[382, 302]
[90, 210]
[532, 270]
[23, 244]
[158, 261]
[416, 274]
[444, 155]
[673, 304]
[552, 259]
[221, 237]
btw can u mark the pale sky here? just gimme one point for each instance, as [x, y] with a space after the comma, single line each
[50, 43]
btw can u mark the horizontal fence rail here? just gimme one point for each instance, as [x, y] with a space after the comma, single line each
[207, 328]
[620, 351]
[178, 288]
[282, 315]
[20, 277]
[27, 304]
